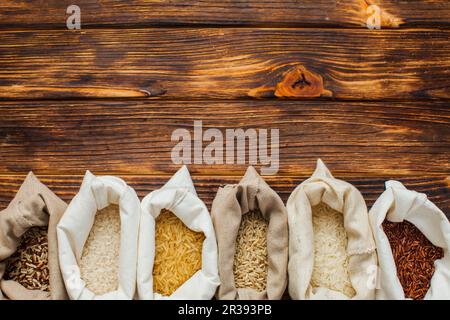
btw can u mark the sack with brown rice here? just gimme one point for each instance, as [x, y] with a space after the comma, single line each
[177, 245]
[29, 267]
[98, 238]
[251, 227]
[331, 246]
[398, 204]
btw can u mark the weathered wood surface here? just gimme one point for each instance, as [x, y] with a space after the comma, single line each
[293, 13]
[225, 63]
[154, 50]
[134, 136]
[436, 188]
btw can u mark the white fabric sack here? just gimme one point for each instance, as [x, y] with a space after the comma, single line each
[179, 196]
[345, 198]
[397, 204]
[97, 193]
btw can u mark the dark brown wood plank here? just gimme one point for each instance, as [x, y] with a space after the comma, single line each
[323, 13]
[134, 136]
[225, 63]
[436, 188]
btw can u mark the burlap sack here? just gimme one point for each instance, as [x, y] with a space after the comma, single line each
[397, 204]
[97, 193]
[33, 206]
[179, 196]
[343, 197]
[230, 203]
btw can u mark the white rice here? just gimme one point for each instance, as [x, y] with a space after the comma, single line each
[99, 263]
[330, 251]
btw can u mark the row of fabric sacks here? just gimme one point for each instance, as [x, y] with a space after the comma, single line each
[289, 237]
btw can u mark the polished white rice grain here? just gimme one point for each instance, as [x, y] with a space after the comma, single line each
[99, 263]
[330, 251]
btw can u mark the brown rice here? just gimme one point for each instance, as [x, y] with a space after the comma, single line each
[251, 260]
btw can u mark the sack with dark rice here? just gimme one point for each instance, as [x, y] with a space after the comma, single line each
[29, 266]
[98, 239]
[331, 246]
[177, 245]
[252, 234]
[413, 242]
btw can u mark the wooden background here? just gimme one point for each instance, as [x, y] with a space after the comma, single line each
[373, 104]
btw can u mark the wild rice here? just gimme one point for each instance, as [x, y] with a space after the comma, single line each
[330, 251]
[99, 263]
[178, 253]
[29, 264]
[414, 257]
[250, 258]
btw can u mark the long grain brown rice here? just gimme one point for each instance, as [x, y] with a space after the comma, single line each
[178, 253]
[29, 264]
[330, 251]
[251, 259]
[99, 263]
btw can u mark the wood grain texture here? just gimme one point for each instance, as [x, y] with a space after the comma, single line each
[436, 188]
[305, 13]
[220, 63]
[134, 136]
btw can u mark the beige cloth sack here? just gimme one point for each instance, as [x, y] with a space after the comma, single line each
[397, 204]
[345, 198]
[97, 193]
[230, 203]
[33, 206]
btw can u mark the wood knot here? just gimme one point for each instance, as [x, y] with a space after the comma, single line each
[300, 82]
[297, 82]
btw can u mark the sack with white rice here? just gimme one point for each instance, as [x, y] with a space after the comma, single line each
[250, 220]
[177, 245]
[398, 204]
[331, 246]
[29, 266]
[98, 239]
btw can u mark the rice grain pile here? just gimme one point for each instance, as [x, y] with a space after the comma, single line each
[250, 258]
[29, 264]
[414, 257]
[99, 263]
[178, 253]
[330, 251]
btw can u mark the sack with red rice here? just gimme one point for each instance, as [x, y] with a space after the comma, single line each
[423, 244]
[98, 239]
[331, 246]
[177, 246]
[251, 227]
[29, 267]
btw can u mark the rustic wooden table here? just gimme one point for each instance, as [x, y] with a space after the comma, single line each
[373, 104]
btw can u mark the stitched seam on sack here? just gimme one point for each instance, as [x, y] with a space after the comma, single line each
[362, 251]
